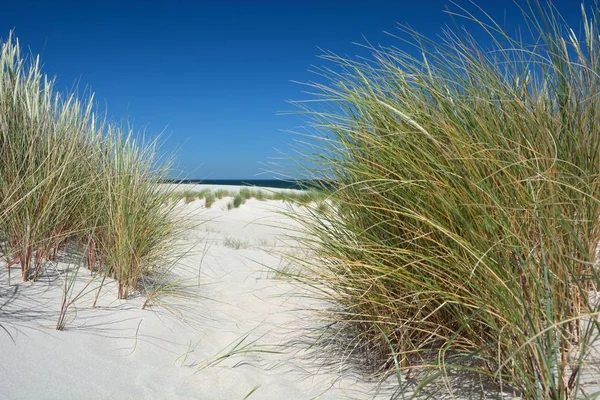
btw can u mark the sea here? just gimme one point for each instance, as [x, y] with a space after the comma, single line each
[269, 183]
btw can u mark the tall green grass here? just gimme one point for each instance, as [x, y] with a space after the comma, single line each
[68, 176]
[465, 184]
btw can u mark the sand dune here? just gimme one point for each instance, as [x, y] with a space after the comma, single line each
[173, 349]
[230, 329]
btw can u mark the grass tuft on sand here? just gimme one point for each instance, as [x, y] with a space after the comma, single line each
[466, 183]
[304, 197]
[67, 176]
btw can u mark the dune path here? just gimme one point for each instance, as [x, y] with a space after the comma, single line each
[227, 333]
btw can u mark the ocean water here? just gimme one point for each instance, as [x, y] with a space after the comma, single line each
[269, 183]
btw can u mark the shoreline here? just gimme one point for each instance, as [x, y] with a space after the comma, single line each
[298, 184]
[199, 187]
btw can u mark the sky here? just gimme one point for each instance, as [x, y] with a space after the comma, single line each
[213, 78]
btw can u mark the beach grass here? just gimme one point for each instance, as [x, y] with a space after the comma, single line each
[219, 194]
[238, 200]
[236, 243]
[465, 183]
[209, 199]
[301, 197]
[68, 176]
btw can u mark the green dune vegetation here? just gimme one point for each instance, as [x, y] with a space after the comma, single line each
[304, 197]
[69, 178]
[457, 230]
[465, 178]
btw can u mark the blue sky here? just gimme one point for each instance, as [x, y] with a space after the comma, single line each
[212, 76]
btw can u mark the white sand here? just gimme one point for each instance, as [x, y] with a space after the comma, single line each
[120, 351]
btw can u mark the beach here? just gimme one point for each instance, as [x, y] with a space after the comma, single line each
[426, 227]
[228, 325]
[228, 295]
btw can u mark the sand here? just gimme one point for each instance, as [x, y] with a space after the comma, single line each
[171, 350]
[232, 329]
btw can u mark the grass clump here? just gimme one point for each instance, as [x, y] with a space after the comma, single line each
[235, 243]
[466, 183]
[67, 176]
[209, 199]
[134, 234]
[260, 195]
[189, 196]
[322, 207]
[238, 200]
[245, 194]
[219, 194]
[304, 197]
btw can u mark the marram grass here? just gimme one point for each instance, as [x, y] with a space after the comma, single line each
[301, 197]
[67, 176]
[465, 191]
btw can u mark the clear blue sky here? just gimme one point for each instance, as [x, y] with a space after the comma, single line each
[212, 74]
